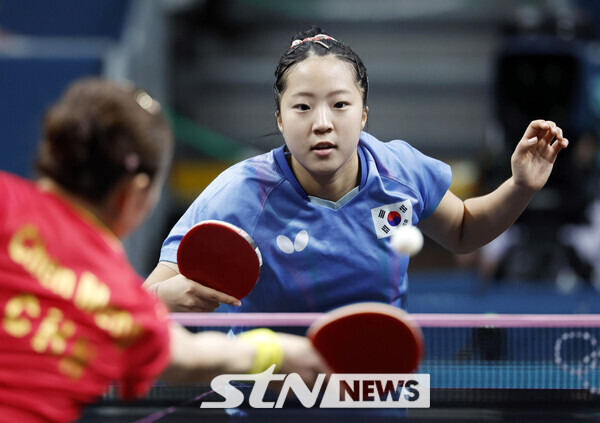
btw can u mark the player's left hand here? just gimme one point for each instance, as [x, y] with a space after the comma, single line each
[534, 157]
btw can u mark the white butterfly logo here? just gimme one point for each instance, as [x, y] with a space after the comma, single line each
[285, 244]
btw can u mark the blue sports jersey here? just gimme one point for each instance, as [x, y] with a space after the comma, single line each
[315, 257]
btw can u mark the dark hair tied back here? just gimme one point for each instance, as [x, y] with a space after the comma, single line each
[299, 51]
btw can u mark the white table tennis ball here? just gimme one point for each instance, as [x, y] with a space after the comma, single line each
[407, 240]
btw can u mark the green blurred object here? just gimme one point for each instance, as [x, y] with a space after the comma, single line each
[207, 142]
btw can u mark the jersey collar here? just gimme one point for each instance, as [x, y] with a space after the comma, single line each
[280, 157]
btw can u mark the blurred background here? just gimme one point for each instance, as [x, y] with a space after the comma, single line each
[458, 79]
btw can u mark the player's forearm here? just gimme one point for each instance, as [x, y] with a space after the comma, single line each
[486, 217]
[163, 271]
[201, 357]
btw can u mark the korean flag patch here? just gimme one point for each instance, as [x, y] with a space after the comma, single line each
[388, 219]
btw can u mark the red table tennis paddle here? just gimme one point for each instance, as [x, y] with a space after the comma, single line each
[368, 338]
[221, 256]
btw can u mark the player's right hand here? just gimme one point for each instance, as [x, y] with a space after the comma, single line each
[184, 295]
[299, 356]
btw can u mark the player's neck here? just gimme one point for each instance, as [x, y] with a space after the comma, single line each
[330, 187]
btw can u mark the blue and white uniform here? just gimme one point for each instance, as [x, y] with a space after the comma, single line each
[319, 255]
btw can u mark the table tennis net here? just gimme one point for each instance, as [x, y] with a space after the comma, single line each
[470, 358]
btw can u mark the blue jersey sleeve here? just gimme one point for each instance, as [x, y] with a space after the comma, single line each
[398, 161]
[192, 216]
[432, 178]
[236, 196]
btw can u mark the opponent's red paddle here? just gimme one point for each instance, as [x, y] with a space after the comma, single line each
[221, 256]
[368, 338]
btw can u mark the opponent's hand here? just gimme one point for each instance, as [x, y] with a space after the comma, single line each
[184, 295]
[534, 156]
[299, 356]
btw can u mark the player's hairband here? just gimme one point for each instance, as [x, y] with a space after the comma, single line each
[132, 162]
[316, 39]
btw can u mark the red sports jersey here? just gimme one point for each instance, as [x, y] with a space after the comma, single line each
[73, 314]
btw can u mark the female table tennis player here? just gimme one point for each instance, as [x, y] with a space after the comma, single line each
[322, 207]
[73, 314]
